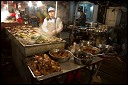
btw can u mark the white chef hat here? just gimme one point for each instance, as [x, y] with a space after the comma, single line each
[51, 9]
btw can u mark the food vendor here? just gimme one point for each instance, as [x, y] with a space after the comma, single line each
[16, 15]
[52, 26]
[82, 18]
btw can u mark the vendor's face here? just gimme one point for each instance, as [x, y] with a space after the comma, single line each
[51, 14]
[81, 13]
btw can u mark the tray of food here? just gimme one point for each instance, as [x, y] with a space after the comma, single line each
[60, 55]
[28, 39]
[29, 36]
[41, 66]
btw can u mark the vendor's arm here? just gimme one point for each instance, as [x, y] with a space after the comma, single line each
[59, 25]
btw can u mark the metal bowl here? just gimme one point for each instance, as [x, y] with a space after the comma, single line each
[82, 57]
[60, 55]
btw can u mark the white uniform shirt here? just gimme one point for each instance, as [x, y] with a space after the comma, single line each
[50, 28]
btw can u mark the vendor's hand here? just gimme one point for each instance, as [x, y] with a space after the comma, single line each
[54, 32]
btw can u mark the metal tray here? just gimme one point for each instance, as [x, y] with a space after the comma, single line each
[42, 77]
[29, 50]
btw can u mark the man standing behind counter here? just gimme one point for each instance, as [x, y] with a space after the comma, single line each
[82, 18]
[52, 26]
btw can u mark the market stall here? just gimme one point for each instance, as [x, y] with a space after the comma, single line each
[21, 50]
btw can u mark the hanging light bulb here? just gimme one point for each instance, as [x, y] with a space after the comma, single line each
[30, 4]
[39, 3]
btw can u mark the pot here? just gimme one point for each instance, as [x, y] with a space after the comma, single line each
[82, 57]
[60, 55]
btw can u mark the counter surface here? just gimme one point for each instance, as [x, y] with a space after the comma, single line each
[29, 50]
[67, 67]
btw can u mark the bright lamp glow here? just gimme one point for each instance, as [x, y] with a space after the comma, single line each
[39, 3]
[91, 8]
[30, 4]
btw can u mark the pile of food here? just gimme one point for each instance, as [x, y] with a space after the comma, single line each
[42, 64]
[29, 35]
[10, 19]
[91, 49]
[60, 55]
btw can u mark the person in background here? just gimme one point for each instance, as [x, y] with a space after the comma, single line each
[18, 16]
[12, 15]
[52, 26]
[82, 18]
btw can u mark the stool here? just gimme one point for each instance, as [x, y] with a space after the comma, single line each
[73, 76]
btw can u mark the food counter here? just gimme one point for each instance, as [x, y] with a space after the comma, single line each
[26, 43]
[34, 48]
[21, 50]
[69, 66]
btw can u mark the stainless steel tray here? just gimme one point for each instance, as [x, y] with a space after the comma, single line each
[42, 77]
[29, 50]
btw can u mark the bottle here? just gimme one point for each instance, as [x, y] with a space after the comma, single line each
[74, 47]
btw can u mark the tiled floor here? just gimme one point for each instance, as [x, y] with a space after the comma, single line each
[114, 72]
